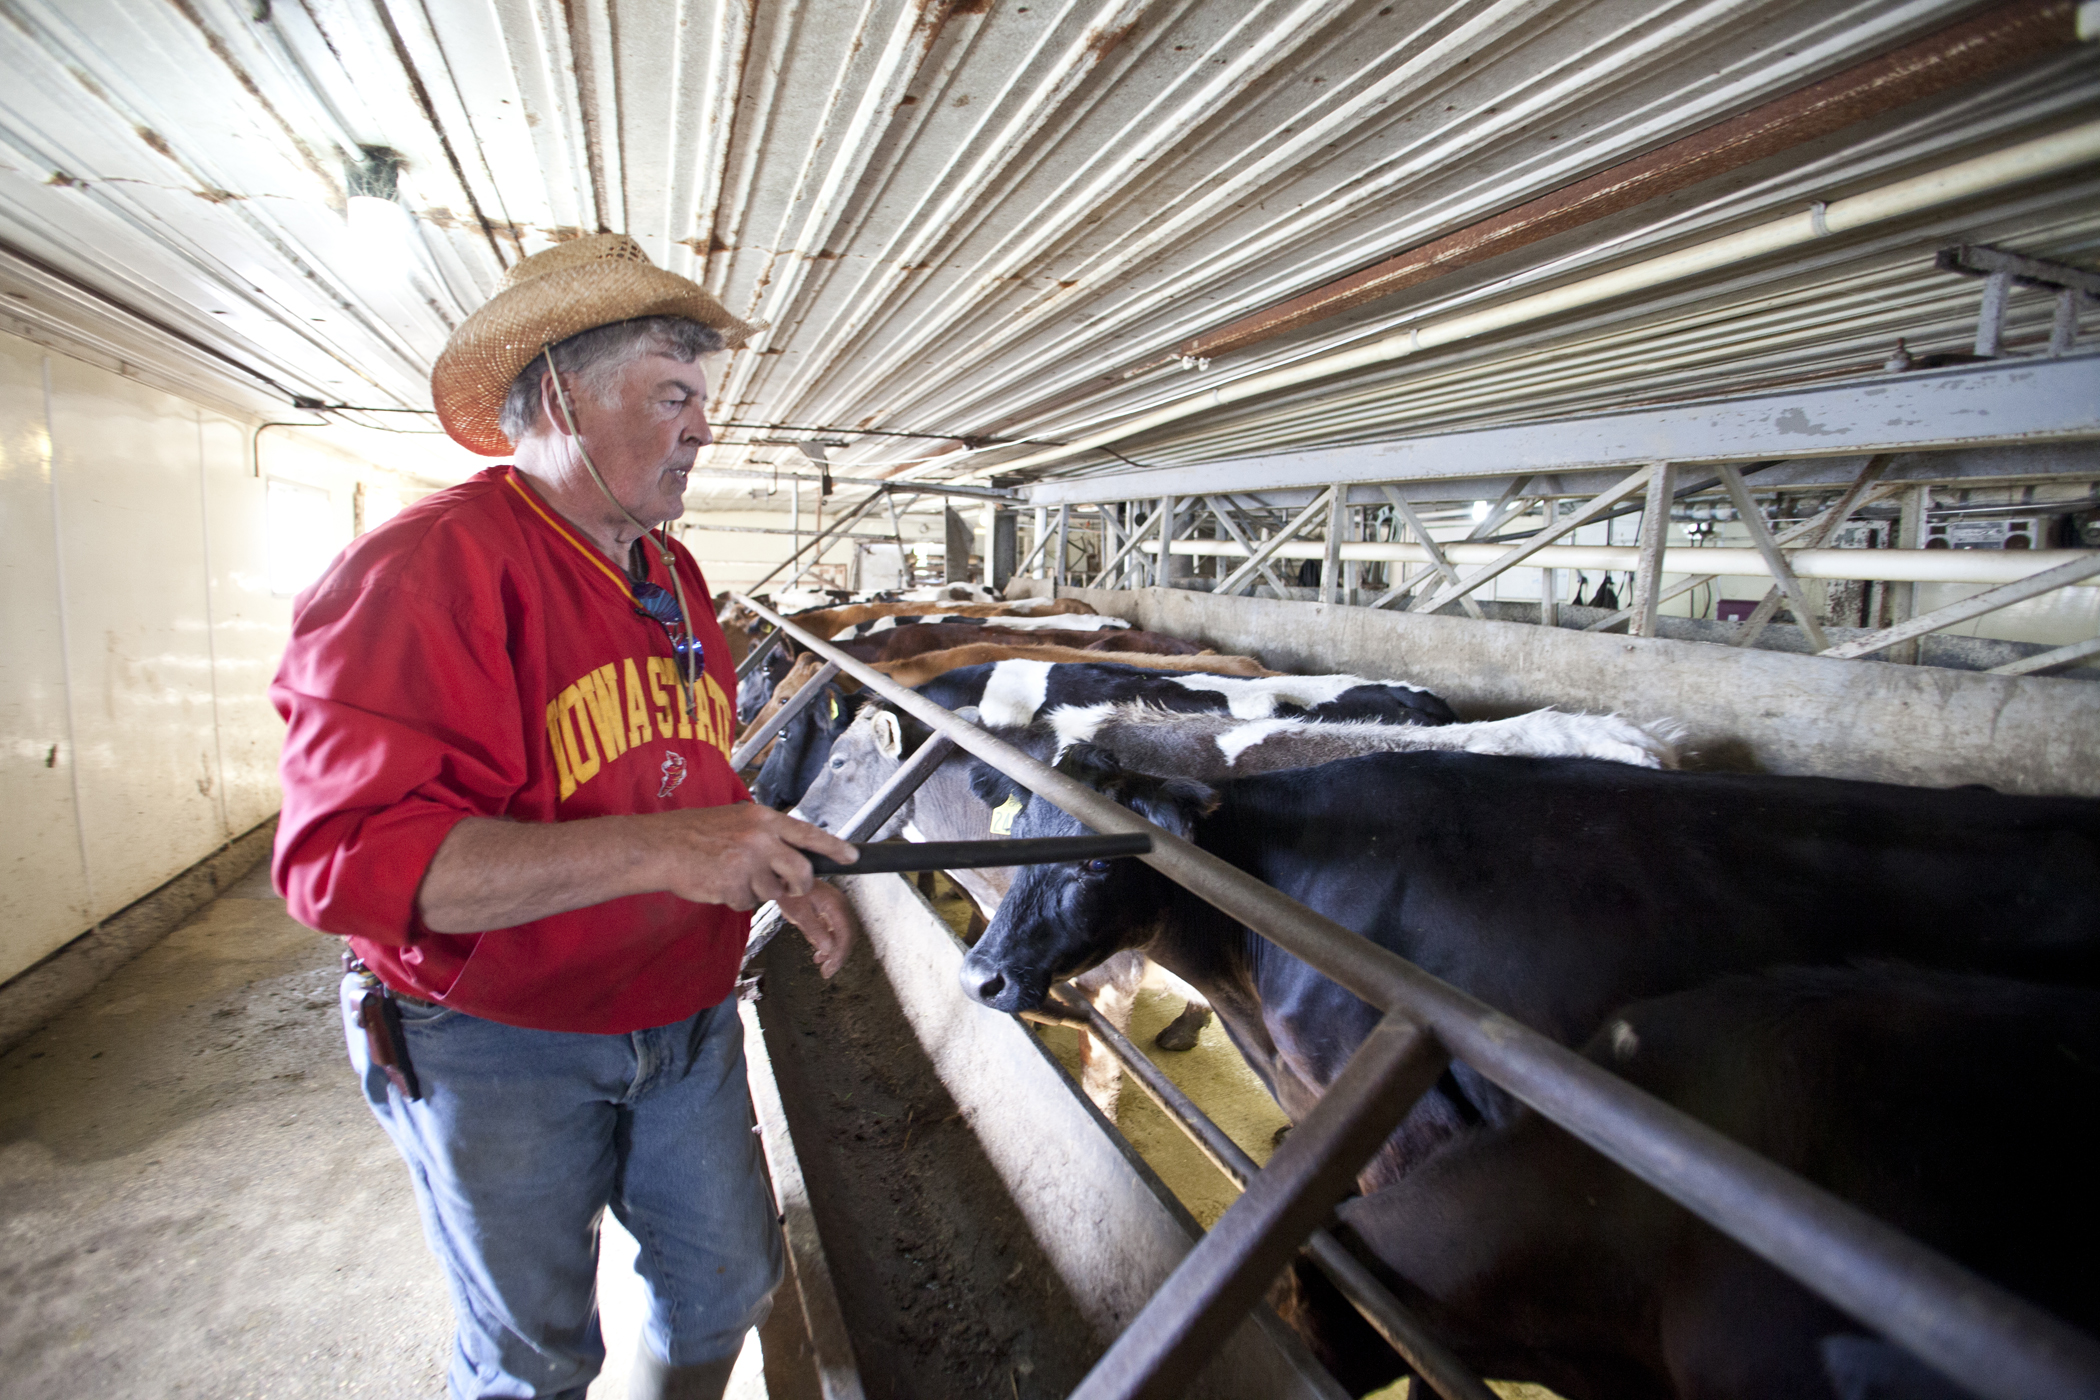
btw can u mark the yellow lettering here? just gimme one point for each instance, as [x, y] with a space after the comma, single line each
[584, 761]
[724, 715]
[638, 729]
[703, 730]
[601, 689]
[561, 757]
[666, 726]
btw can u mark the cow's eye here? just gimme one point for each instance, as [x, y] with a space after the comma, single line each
[838, 763]
[1097, 867]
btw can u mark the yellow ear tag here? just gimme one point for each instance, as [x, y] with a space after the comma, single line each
[1003, 816]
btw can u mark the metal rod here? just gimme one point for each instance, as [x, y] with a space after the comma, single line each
[1132, 541]
[1799, 531]
[802, 699]
[1222, 513]
[2042, 662]
[1819, 531]
[983, 855]
[2002, 596]
[1064, 535]
[1403, 1331]
[1331, 560]
[1655, 532]
[1433, 599]
[873, 815]
[851, 515]
[1437, 560]
[1225, 1274]
[1974, 1331]
[1990, 317]
[757, 654]
[1270, 545]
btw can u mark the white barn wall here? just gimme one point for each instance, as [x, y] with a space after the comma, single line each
[139, 632]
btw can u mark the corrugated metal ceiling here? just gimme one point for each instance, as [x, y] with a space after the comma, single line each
[977, 219]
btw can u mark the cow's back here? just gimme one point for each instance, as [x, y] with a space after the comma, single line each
[1554, 889]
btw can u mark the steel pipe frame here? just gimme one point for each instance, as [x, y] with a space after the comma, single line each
[1822, 530]
[747, 747]
[1655, 529]
[1974, 1331]
[1224, 1276]
[1403, 1331]
[1437, 560]
[2005, 595]
[757, 654]
[863, 824]
[2050, 660]
[1776, 563]
[1980, 566]
[1275, 542]
[1222, 513]
[1430, 601]
[1803, 530]
[2030, 402]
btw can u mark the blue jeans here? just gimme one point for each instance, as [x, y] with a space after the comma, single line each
[522, 1137]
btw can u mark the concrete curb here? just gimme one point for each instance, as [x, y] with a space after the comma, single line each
[32, 998]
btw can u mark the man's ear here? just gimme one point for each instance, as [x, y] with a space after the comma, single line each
[550, 404]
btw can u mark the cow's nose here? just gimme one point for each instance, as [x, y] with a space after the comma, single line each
[982, 985]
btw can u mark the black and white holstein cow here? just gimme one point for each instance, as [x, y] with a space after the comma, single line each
[1141, 734]
[1556, 890]
[1948, 1105]
[799, 754]
[1056, 622]
[1553, 889]
[1011, 694]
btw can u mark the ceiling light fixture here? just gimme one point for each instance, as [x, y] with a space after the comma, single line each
[382, 233]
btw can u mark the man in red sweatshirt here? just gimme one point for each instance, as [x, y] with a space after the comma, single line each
[506, 783]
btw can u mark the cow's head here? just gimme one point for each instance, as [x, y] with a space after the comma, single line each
[1059, 920]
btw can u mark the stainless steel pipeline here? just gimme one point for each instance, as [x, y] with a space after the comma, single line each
[1971, 1329]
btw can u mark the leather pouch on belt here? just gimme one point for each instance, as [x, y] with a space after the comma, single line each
[380, 1019]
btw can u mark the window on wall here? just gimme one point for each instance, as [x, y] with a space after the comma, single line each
[303, 535]
[374, 506]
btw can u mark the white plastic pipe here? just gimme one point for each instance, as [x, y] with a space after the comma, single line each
[1988, 566]
[2028, 160]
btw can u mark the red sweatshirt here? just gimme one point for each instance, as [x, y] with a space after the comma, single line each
[475, 657]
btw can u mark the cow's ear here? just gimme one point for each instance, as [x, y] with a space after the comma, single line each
[993, 787]
[1090, 764]
[889, 735]
[1173, 803]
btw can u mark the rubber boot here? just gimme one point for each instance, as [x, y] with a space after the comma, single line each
[660, 1380]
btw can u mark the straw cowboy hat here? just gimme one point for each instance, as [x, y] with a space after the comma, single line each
[545, 299]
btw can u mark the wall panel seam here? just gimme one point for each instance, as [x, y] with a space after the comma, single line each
[65, 651]
[211, 641]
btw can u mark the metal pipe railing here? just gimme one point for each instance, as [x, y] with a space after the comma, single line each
[1974, 1331]
[1428, 1357]
[761, 734]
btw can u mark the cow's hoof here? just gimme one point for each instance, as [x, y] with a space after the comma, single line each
[1182, 1032]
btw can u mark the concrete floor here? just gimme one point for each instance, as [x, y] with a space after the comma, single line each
[195, 1202]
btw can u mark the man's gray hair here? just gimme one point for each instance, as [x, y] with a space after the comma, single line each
[590, 360]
